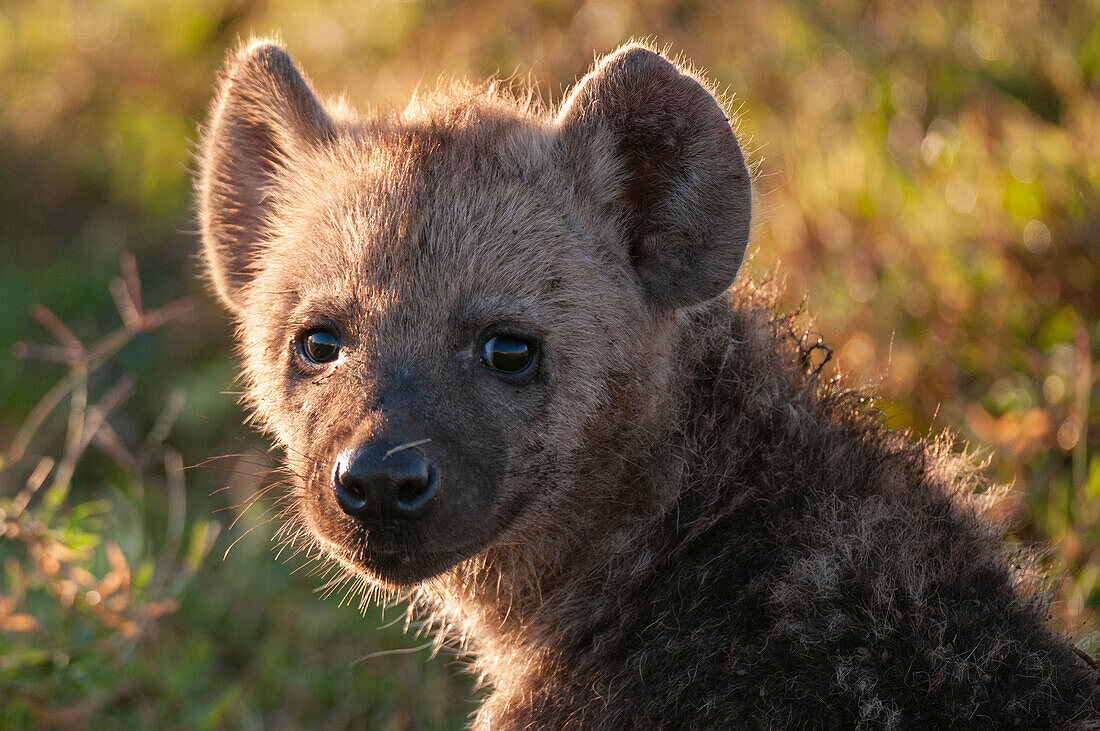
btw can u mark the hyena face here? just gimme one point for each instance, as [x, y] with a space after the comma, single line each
[439, 310]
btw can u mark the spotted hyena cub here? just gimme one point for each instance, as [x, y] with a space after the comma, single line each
[503, 353]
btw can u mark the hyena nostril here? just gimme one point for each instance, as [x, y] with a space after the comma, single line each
[417, 490]
[376, 481]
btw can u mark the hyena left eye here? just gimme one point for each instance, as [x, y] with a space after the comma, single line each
[319, 346]
[509, 355]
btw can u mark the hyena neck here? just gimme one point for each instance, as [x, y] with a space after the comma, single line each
[527, 608]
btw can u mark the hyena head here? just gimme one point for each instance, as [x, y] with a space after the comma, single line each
[446, 316]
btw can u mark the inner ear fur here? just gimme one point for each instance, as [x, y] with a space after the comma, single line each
[655, 149]
[264, 115]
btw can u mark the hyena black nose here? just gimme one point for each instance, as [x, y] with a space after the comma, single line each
[382, 480]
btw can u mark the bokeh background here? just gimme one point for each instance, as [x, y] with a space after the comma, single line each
[929, 185]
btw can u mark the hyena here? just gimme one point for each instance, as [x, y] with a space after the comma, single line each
[503, 351]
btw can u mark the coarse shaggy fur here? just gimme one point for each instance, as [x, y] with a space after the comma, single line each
[812, 568]
[674, 521]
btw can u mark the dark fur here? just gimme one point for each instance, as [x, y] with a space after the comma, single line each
[678, 523]
[815, 570]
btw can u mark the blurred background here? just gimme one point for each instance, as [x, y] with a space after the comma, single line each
[929, 184]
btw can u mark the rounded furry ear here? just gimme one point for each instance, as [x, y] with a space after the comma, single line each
[264, 115]
[655, 149]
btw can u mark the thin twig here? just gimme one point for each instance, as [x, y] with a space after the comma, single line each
[177, 507]
[407, 445]
[47, 319]
[34, 482]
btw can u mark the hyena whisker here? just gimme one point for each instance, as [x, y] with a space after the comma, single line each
[293, 528]
[352, 583]
[242, 457]
[273, 470]
[287, 448]
[345, 581]
[282, 545]
[323, 566]
[293, 531]
[241, 537]
[260, 492]
[242, 473]
[252, 501]
[310, 561]
[336, 581]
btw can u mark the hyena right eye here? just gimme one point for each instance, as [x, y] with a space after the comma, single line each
[319, 346]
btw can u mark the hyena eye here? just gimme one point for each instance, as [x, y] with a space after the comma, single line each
[319, 346]
[509, 355]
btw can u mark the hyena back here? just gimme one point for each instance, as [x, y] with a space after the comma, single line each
[501, 351]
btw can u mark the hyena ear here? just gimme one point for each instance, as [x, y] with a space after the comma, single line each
[264, 117]
[655, 149]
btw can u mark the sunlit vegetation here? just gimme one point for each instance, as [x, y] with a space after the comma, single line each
[929, 184]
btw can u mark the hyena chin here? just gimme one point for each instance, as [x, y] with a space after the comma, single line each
[503, 351]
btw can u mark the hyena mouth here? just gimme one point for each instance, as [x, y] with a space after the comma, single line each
[397, 553]
[397, 566]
